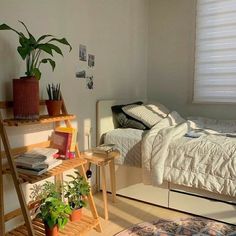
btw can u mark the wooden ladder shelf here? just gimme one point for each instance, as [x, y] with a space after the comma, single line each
[35, 227]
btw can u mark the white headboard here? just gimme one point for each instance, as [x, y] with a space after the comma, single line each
[104, 117]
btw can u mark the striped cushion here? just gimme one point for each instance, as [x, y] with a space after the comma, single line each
[147, 114]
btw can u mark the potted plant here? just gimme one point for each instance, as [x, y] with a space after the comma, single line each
[53, 212]
[26, 90]
[75, 191]
[54, 101]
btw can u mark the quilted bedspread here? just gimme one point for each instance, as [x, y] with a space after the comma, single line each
[207, 162]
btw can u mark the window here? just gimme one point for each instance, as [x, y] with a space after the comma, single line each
[215, 54]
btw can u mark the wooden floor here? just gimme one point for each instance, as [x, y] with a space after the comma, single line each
[126, 212]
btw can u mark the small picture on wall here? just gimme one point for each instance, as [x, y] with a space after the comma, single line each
[82, 53]
[89, 82]
[80, 74]
[91, 60]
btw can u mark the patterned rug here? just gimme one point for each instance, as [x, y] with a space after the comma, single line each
[189, 226]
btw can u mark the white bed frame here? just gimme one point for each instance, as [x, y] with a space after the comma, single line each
[191, 200]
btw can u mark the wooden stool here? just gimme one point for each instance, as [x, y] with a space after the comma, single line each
[102, 160]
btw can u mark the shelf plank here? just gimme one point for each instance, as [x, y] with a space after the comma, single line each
[66, 165]
[71, 228]
[42, 120]
[20, 150]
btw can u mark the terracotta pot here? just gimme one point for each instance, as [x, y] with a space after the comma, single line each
[54, 107]
[26, 98]
[51, 232]
[76, 215]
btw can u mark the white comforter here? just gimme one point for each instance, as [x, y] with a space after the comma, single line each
[207, 162]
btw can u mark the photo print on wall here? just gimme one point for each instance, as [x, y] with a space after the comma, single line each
[91, 60]
[85, 71]
[82, 53]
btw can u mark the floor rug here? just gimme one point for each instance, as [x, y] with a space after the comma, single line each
[196, 226]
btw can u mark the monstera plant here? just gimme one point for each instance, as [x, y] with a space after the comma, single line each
[35, 52]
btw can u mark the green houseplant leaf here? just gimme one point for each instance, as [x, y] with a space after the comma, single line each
[52, 210]
[75, 191]
[31, 49]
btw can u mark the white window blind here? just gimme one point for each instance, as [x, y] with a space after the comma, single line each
[215, 54]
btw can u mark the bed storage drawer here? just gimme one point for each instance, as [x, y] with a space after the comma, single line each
[201, 206]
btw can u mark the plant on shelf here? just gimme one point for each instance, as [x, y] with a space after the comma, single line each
[75, 191]
[34, 52]
[54, 101]
[54, 92]
[53, 212]
[30, 49]
[41, 192]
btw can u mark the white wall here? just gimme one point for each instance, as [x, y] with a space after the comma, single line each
[115, 31]
[171, 59]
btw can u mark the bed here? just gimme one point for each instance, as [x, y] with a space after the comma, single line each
[130, 172]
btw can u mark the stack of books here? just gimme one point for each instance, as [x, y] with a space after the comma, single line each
[37, 161]
[104, 148]
[64, 139]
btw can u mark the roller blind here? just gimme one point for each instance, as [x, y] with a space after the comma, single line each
[215, 52]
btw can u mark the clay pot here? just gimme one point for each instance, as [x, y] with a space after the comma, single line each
[26, 98]
[54, 107]
[51, 232]
[76, 215]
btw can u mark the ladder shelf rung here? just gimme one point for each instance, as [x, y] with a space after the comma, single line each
[42, 120]
[71, 228]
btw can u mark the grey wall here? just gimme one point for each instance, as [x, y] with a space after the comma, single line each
[171, 59]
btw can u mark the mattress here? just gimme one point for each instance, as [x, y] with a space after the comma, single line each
[128, 142]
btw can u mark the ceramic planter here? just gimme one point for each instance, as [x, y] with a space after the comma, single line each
[26, 98]
[54, 107]
[76, 214]
[51, 232]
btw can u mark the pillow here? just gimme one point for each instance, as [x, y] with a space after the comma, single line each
[125, 121]
[161, 109]
[149, 115]
[175, 118]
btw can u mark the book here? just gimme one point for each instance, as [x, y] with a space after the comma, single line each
[39, 170]
[73, 132]
[104, 148]
[36, 157]
[30, 171]
[62, 142]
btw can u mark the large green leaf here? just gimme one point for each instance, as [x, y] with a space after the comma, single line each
[55, 48]
[43, 37]
[7, 27]
[23, 51]
[63, 41]
[45, 48]
[31, 37]
[36, 72]
[52, 63]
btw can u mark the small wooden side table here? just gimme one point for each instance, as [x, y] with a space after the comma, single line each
[102, 160]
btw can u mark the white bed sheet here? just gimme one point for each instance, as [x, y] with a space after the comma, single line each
[128, 142]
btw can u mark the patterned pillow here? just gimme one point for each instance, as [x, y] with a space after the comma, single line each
[147, 114]
[125, 121]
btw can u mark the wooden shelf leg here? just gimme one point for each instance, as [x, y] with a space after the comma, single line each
[2, 221]
[113, 179]
[104, 191]
[16, 181]
[91, 201]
